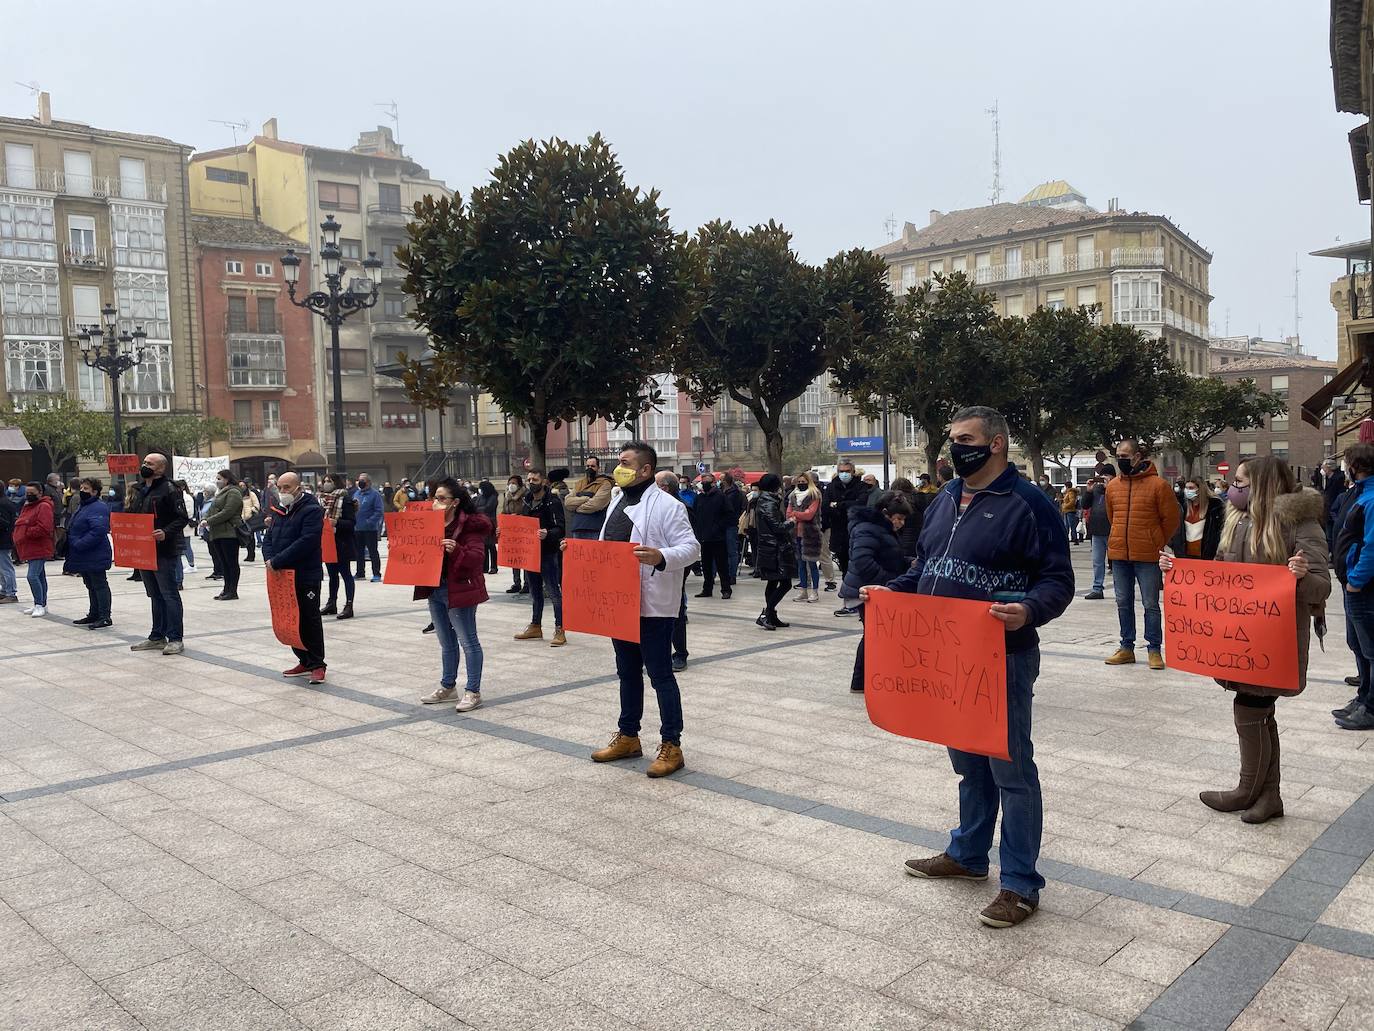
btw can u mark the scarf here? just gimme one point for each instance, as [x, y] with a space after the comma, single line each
[333, 505]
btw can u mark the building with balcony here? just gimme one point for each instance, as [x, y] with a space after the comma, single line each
[1052, 249]
[1226, 350]
[370, 190]
[260, 369]
[1288, 436]
[90, 217]
[806, 424]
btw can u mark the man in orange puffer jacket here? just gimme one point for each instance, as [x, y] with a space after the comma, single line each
[1144, 515]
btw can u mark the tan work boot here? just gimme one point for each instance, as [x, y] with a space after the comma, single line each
[1121, 657]
[622, 746]
[1156, 660]
[559, 638]
[533, 632]
[669, 760]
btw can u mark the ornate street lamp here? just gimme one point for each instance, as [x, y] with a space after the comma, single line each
[334, 303]
[113, 353]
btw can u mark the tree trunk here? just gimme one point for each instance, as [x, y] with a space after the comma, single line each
[539, 435]
[933, 446]
[772, 440]
[1037, 460]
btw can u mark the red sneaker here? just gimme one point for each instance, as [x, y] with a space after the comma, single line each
[298, 670]
[317, 676]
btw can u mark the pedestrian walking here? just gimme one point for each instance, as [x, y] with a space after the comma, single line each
[34, 541]
[875, 557]
[221, 524]
[803, 509]
[712, 517]
[1144, 515]
[543, 504]
[462, 587]
[1271, 520]
[1018, 561]
[586, 502]
[342, 509]
[514, 504]
[665, 545]
[367, 528]
[156, 496]
[1354, 562]
[1068, 508]
[488, 502]
[775, 559]
[293, 542]
[9, 513]
[89, 554]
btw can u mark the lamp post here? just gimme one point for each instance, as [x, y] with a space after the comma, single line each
[113, 353]
[334, 303]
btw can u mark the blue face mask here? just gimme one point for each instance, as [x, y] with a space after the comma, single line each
[846, 477]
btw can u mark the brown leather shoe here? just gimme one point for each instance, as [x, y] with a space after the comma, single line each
[533, 632]
[622, 746]
[559, 638]
[941, 867]
[1121, 657]
[1156, 660]
[1007, 910]
[669, 760]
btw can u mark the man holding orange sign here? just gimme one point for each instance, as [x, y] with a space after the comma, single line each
[990, 536]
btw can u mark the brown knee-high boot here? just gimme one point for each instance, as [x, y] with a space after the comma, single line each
[1267, 804]
[1255, 748]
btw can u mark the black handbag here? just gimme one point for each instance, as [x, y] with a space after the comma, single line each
[245, 535]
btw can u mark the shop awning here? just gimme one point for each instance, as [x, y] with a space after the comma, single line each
[1314, 409]
[12, 439]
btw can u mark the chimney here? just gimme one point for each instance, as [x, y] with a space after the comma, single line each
[44, 109]
[269, 129]
[935, 216]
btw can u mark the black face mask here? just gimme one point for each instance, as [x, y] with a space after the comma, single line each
[31, 499]
[146, 471]
[969, 458]
[1126, 466]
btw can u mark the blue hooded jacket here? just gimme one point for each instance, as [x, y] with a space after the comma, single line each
[369, 518]
[88, 538]
[1009, 546]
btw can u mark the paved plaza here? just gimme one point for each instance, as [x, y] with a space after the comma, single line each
[193, 842]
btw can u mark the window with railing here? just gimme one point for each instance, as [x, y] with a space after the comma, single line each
[910, 434]
[31, 307]
[149, 383]
[1136, 298]
[142, 300]
[356, 415]
[809, 406]
[92, 387]
[257, 362]
[338, 196]
[398, 415]
[27, 228]
[34, 366]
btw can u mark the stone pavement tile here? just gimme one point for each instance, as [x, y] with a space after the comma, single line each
[705, 1008]
[755, 924]
[119, 948]
[1354, 1016]
[297, 970]
[1168, 873]
[152, 877]
[250, 867]
[23, 951]
[848, 910]
[1256, 867]
[826, 1003]
[1150, 961]
[504, 877]
[1332, 971]
[62, 881]
[59, 1000]
[190, 904]
[438, 900]
[110, 853]
[238, 930]
[351, 859]
[717, 962]
[1069, 900]
[1110, 994]
[629, 987]
[1187, 933]
[657, 889]
[503, 998]
[591, 911]
[987, 1004]
[301, 894]
[537, 946]
[373, 1004]
[1121, 862]
[72, 918]
[854, 958]
[962, 942]
[1290, 1004]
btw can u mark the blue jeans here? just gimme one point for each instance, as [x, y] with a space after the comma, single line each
[1359, 636]
[161, 588]
[655, 654]
[986, 783]
[37, 573]
[1099, 563]
[732, 552]
[1125, 577]
[1071, 525]
[456, 628]
[8, 587]
[548, 580]
[808, 573]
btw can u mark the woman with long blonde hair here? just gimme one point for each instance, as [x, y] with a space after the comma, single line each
[1271, 520]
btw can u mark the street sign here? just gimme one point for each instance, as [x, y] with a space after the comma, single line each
[701, 467]
[1223, 468]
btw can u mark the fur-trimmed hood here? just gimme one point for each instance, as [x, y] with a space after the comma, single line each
[1299, 507]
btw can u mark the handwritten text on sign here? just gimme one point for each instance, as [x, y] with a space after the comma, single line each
[134, 547]
[1232, 621]
[935, 669]
[286, 613]
[517, 547]
[415, 548]
[601, 589]
[122, 465]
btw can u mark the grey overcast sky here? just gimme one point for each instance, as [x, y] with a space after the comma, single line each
[828, 117]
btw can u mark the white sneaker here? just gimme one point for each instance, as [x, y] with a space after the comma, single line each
[469, 701]
[28, 610]
[440, 694]
[39, 610]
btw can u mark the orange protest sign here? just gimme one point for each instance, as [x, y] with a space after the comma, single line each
[415, 548]
[329, 548]
[517, 545]
[1232, 621]
[286, 613]
[122, 465]
[134, 547]
[601, 589]
[421, 505]
[936, 669]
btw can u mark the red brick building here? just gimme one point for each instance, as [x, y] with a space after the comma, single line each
[259, 347]
[1294, 378]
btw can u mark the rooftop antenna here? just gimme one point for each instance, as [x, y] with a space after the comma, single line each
[996, 196]
[393, 111]
[234, 129]
[1297, 311]
[890, 227]
[32, 87]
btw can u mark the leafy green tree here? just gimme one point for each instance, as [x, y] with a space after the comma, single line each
[556, 288]
[1205, 407]
[181, 434]
[63, 427]
[931, 363]
[767, 324]
[1134, 395]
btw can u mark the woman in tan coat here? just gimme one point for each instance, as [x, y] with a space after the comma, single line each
[1269, 519]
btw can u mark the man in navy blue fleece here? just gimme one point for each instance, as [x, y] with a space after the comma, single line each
[1354, 562]
[991, 535]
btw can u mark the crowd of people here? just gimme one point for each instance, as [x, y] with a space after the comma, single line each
[848, 535]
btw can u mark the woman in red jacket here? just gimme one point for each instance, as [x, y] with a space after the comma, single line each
[462, 587]
[33, 541]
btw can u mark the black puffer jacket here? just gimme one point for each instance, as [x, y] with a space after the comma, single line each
[911, 532]
[875, 553]
[776, 557]
[1211, 530]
